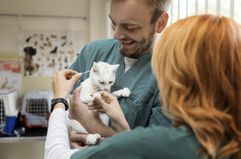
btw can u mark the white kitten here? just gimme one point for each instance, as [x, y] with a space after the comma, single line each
[102, 77]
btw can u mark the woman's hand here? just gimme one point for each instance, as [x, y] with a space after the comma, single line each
[63, 81]
[88, 119]
[108, 103]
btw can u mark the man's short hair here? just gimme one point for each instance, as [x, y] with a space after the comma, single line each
[159, 6]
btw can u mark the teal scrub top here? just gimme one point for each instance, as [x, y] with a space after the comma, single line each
[145, 143]
[143, 107]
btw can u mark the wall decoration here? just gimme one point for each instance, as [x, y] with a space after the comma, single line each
[11, 77]
[47, 52]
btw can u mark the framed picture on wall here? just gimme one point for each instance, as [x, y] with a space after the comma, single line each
[46, 52]
[11, 77]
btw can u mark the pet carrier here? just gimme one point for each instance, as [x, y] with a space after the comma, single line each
[36, 108]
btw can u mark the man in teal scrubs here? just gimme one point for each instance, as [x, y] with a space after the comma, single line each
[206, 123]
[135, 23]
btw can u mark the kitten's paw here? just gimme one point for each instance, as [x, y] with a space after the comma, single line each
[126, 92]
[92, 139]
[97, 136]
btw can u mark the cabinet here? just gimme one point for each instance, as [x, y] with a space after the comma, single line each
[22, 147]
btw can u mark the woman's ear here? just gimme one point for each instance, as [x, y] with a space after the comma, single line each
[161, 22]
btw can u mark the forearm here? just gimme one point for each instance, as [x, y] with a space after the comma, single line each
[120, 126]
[100, 128]
[57, 141]
[119, 122]
[90, 120]
[96, 126]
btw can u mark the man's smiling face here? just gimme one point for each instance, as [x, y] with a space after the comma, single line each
[131, 23]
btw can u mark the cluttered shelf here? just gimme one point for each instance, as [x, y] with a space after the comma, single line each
[26, 121]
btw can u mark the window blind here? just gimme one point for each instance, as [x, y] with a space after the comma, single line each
[183, 8]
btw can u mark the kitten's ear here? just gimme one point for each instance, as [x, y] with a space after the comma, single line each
[95, 67]
[115, 67]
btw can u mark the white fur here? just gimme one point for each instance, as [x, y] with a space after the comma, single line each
[125, 92]
[102, 77]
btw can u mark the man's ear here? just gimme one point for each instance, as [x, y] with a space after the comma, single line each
[161, 22]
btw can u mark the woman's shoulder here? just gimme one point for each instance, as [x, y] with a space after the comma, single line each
[168, 142]
[157, 141]
[159, 132]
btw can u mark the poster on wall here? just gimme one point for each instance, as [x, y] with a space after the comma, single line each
[47, 52]
[11, 77]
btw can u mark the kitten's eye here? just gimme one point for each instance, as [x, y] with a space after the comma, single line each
[110, 82]
[102, 83]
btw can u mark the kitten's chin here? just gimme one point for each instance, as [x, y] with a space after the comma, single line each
[104, 89]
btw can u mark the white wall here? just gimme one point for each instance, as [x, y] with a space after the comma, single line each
[8, 35]
[46, 7]
[98, 19]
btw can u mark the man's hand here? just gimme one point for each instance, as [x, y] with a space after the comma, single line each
[88, 119]
[77, 140]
